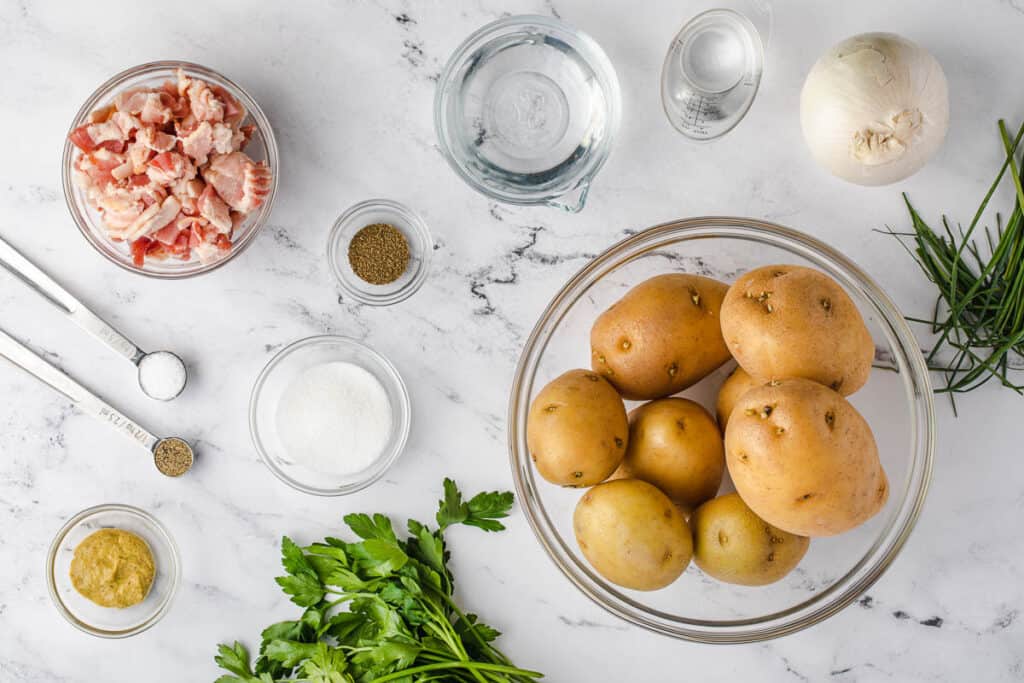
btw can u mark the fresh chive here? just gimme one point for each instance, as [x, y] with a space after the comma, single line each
[979, 312]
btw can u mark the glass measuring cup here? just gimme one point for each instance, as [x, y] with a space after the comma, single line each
[713, 69]
[526, 111]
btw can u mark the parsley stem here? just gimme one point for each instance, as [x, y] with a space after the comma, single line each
[441, 666]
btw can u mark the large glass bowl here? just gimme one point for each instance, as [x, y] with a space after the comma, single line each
[897, 402]
[262, 147]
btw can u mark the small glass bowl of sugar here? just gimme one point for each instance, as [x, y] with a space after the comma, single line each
[329, 415]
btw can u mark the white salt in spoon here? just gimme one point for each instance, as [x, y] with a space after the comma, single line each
[162, 374]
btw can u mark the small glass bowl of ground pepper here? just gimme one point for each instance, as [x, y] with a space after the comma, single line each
[380, 252]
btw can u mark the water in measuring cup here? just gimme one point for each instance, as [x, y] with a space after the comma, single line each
[711, 74]
[532, 112]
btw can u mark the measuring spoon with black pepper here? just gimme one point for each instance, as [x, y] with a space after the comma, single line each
[172, 455]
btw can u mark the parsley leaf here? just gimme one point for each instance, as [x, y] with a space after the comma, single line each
[377, 557]
[451, 509]
[378, 527]
[427, 546]
[389, 655]
[305, 590]
[481, 511]
[326, 665]
[293, 560]
[289, 653]
[234, 659]
[344, 627]
[485, 508]
[486, 633]
[336, 552]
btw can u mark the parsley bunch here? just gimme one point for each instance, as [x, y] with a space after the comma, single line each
[401, 623]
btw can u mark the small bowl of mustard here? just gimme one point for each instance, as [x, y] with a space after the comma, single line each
[113, 570]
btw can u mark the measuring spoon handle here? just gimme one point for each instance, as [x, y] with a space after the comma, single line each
[45, 285]
[85, 400]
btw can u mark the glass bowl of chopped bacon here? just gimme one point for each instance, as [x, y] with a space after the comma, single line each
[170, 169]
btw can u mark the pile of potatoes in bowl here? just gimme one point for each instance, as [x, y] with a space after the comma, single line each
[802, 459]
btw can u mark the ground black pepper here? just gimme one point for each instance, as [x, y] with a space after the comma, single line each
[173, 457]
[379, 253]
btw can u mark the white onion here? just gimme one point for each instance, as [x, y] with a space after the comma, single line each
[875, 108]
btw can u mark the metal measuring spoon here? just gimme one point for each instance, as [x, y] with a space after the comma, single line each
[173, 456]
[162, 374]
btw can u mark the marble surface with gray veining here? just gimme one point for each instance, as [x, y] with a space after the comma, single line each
[348, 87]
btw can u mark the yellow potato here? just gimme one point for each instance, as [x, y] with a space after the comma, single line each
[790, 321]
[804, 459]
[577, 429]
[735, 385]
[632, 534]
[732, 544]
[675, 444]
[661, 337]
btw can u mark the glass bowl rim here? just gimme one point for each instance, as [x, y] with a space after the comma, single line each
[593, 54]
[151, 69]
[403, 413]
[159, 529]
[418, 225]
[844, 590]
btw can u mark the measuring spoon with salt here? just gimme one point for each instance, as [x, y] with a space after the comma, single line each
[162, 374]
[173, 456]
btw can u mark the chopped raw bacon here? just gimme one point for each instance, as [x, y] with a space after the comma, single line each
[119, 208]
[139, 248]
[167, 168]
[213, 209]
[126, 123]
[139, 155]
[226, 139]
[99, 165]
[80, 138]
[180, 247]
[156, 110]
[234, 112]
[247, 133]
[167, 234]
[92, 136]
[204, 103]
[199, 143]
[102, 114]
[156, 140]
[131, 101]
[121, 172]
[240, 181]
[153, 218]
[163, 166]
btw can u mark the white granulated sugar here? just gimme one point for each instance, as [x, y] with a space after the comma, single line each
[162, 375]
[334, 418]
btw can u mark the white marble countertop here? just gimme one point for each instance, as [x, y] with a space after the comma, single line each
[349, 87]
